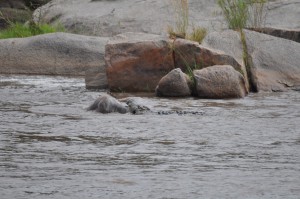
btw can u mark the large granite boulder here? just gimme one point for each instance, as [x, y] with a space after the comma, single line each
[53, 54]
[108, 18]
[191, 55]
[137, 61]
[275, 62]
[174, 84]
[230, 43]
[218, 82]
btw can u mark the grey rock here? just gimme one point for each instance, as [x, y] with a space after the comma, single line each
[274, 61]
[220, 81]
[54, 54]
[229, 42]
[108, 104]
[174, 84]
[108, 18]
[283, 14]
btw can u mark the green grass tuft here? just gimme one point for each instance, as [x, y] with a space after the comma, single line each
[235, 13]
[17, 30]
[243, 13]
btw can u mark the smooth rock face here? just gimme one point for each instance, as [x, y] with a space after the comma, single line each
[229, 42]
[275, 62]
[191, 54]
[111, 17]
[52, 54]
[283, 14]
[137, 61]
[218, 82]
[108, 104]
[174, 84]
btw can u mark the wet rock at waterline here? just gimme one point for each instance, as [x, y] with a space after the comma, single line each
[218, 82]
[95, 75]
[275, 62]
[137, 61]
[174, 84]
[108, 104]
[228, 41]
[52, 54]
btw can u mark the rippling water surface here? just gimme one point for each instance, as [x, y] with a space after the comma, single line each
[51, 147]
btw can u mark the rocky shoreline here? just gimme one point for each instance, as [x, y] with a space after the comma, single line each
[228, 64]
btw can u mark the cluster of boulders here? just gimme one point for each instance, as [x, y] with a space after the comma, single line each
[218, 81]
[139, 62]
[227, 64]
[219, 68]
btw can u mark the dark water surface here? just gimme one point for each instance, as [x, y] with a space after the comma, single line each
[50, 147]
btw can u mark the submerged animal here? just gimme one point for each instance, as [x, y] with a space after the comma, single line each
[105, 103]
[108, 104]
[136, 105]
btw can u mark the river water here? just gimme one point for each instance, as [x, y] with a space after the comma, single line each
[51, 147]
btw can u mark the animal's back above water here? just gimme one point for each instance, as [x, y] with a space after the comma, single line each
[107, 104]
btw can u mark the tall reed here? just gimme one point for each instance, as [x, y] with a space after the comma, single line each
[243, 13]
[181, 12]
[235, 12]
[257, 13]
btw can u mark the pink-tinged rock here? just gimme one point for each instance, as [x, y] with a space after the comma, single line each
[189, 54]
[137, 61]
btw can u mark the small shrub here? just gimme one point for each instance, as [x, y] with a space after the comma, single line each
[180, 30]
[181, 12]
[198, 34]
